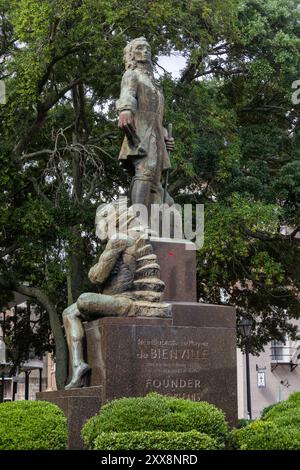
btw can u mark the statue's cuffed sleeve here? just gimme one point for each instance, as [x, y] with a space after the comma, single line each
[128, 98]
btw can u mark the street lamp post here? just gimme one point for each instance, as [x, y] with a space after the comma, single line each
[245, 327]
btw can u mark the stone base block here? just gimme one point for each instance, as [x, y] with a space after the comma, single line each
[78, 405]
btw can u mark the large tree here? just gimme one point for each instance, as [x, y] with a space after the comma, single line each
[62, 63]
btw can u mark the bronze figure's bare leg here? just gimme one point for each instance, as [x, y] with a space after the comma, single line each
[75, 334]
[89, 306]
[93, 306]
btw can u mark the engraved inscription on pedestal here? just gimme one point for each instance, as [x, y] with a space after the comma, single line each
[171, 350]
[180, 388]
[172, 366]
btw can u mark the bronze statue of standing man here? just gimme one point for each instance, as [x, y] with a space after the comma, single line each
[146, 144]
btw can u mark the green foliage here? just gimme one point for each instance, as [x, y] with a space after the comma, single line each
[32, 425]
[266, 410]
[245, 258]
[154, 440]
[278, 429]
[287, 188]
[156, 413]
[285, 410]
[267, 435]
[243, 423]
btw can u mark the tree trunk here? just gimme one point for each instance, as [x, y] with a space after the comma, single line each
[76, 258]
[78, 136]
[69, 289]
[61, 351]
[76, 262]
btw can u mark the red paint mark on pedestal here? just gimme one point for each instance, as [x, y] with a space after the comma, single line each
[170, 253]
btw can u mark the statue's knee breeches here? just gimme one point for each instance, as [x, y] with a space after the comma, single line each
[145, 169]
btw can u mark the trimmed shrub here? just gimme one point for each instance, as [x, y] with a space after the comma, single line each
[32, 425]
[266, 435]
[156, 413]
[266, 410]
[294, 398]
[289, 406]
[279, 428]
[243, 423]
[154, 440]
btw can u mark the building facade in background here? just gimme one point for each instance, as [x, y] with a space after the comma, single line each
[31, 376]
[274, 375]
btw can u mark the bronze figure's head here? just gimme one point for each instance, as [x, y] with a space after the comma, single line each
[137, 50]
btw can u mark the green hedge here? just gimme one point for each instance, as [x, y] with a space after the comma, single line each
[266, 435]
[266, 410]
[32, 425]
[287, 407]
[154, 440]
[243, 423]
[279, 428]
[156, 413]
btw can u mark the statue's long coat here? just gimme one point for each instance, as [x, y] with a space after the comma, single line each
[141, 95]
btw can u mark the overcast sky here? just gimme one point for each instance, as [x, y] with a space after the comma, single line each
[172, 64]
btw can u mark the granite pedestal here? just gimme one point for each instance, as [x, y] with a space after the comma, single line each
[190, 355]
[78, 406]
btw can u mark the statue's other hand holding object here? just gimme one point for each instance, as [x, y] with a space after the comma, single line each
[170, 143]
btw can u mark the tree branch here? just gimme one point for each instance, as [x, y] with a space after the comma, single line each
[8, 250]
[264, 236]
[265, 108]
[55, 97]
[43, 109]
[26, 156]
[294, 232]
[38, 189]
[49, 68]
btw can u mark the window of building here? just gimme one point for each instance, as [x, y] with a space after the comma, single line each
[281, 351]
